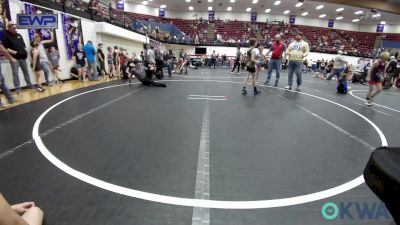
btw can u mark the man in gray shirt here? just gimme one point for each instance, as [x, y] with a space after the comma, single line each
[140, 73]
[150, 55]
[338, 66]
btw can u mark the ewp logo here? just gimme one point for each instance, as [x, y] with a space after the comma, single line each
[355, 210]
[37, 21]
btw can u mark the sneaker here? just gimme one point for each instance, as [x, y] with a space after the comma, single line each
[288, 88]
[237, 73]
[12, 101]
[231, 72]
[298, 88]
[266, 82]
[40, 89]
[257, 92]
[368, 102]
[244, 92]
[18, 90]
[276, 84]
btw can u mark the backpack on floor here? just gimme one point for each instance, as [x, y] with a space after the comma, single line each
[342, 86]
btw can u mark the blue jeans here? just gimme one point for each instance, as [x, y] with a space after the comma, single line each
[24, 67]
[337, 72]
[295, 67]
[45, 67]
[274, 64]
[169, 67]
[92, 71]
[5, 90]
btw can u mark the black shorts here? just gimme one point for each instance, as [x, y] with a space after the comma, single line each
[251, 69]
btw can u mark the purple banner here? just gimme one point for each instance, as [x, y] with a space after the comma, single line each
[211, 15]
[253, 17]
[119, 4]
[380, 27]
[331, 23]
[45, 34]
[72, 33]
[5, 17]
[292, 19]
[161, 12]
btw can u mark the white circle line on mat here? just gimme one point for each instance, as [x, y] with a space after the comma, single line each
[272, 203]
[382, 106]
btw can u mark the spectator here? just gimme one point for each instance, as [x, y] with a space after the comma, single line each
[338, 66]
[80, 62]
[23, 213]
[36, 66]
[3, 86]
[54, 58]
[213, 59]
[90, 52]
[116, 60]
[101, 58]
[110, 62]
[44, 61]
[15, 45]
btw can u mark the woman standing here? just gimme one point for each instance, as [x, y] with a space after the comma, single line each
[36, 66]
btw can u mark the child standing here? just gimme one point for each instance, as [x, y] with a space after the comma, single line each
[110, 62]
[54, 58]
[377, 71]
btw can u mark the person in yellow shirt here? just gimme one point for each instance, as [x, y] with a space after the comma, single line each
[296, 52]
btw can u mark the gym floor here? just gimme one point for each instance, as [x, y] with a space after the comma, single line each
[117, 153]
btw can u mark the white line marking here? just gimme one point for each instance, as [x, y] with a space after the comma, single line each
[211, 99]
[207, 96]
[13, 150]
[200, 202]
[355, 96]
[201, 216]
[343, 131]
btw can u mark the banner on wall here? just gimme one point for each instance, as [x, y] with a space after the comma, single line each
[380, 27]
[72, 33]
[331, 23]
[119, 4]
[37, 21]
[253, 17]
[292, 19]
[5, 17]
[161, 12]
[45, 34]
[211, 15]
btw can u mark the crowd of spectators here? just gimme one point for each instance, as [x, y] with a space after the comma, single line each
[234, 33]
